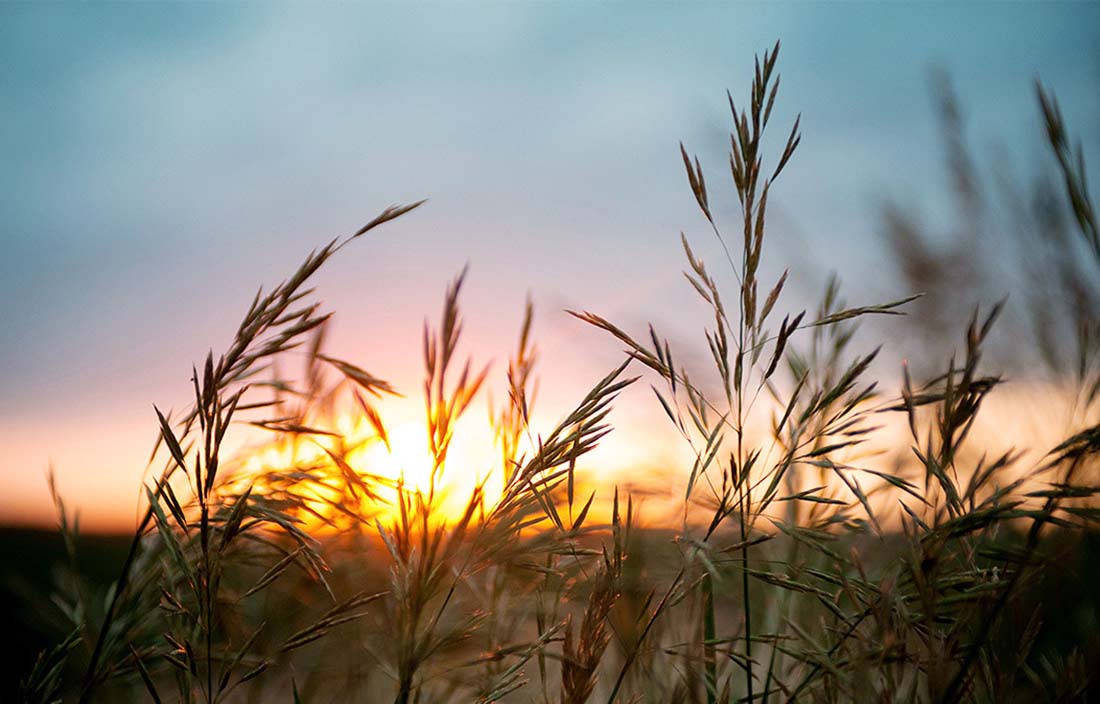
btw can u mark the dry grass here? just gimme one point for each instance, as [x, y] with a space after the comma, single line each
[783, 582]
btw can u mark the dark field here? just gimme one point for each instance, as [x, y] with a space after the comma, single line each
[31, 562]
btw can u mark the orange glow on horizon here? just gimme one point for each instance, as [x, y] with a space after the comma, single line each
[641, 456]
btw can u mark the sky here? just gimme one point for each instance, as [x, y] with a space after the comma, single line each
[161, 161]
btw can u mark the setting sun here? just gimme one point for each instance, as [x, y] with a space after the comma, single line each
[308, 468]
[407, 460]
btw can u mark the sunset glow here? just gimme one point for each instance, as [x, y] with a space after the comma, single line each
[402, 460]
[474, 461]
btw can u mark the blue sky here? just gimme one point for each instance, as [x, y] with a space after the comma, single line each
[160, 161]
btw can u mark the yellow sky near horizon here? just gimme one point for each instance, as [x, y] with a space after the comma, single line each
[100, 473]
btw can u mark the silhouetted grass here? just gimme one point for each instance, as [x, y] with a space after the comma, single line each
[802, 569]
